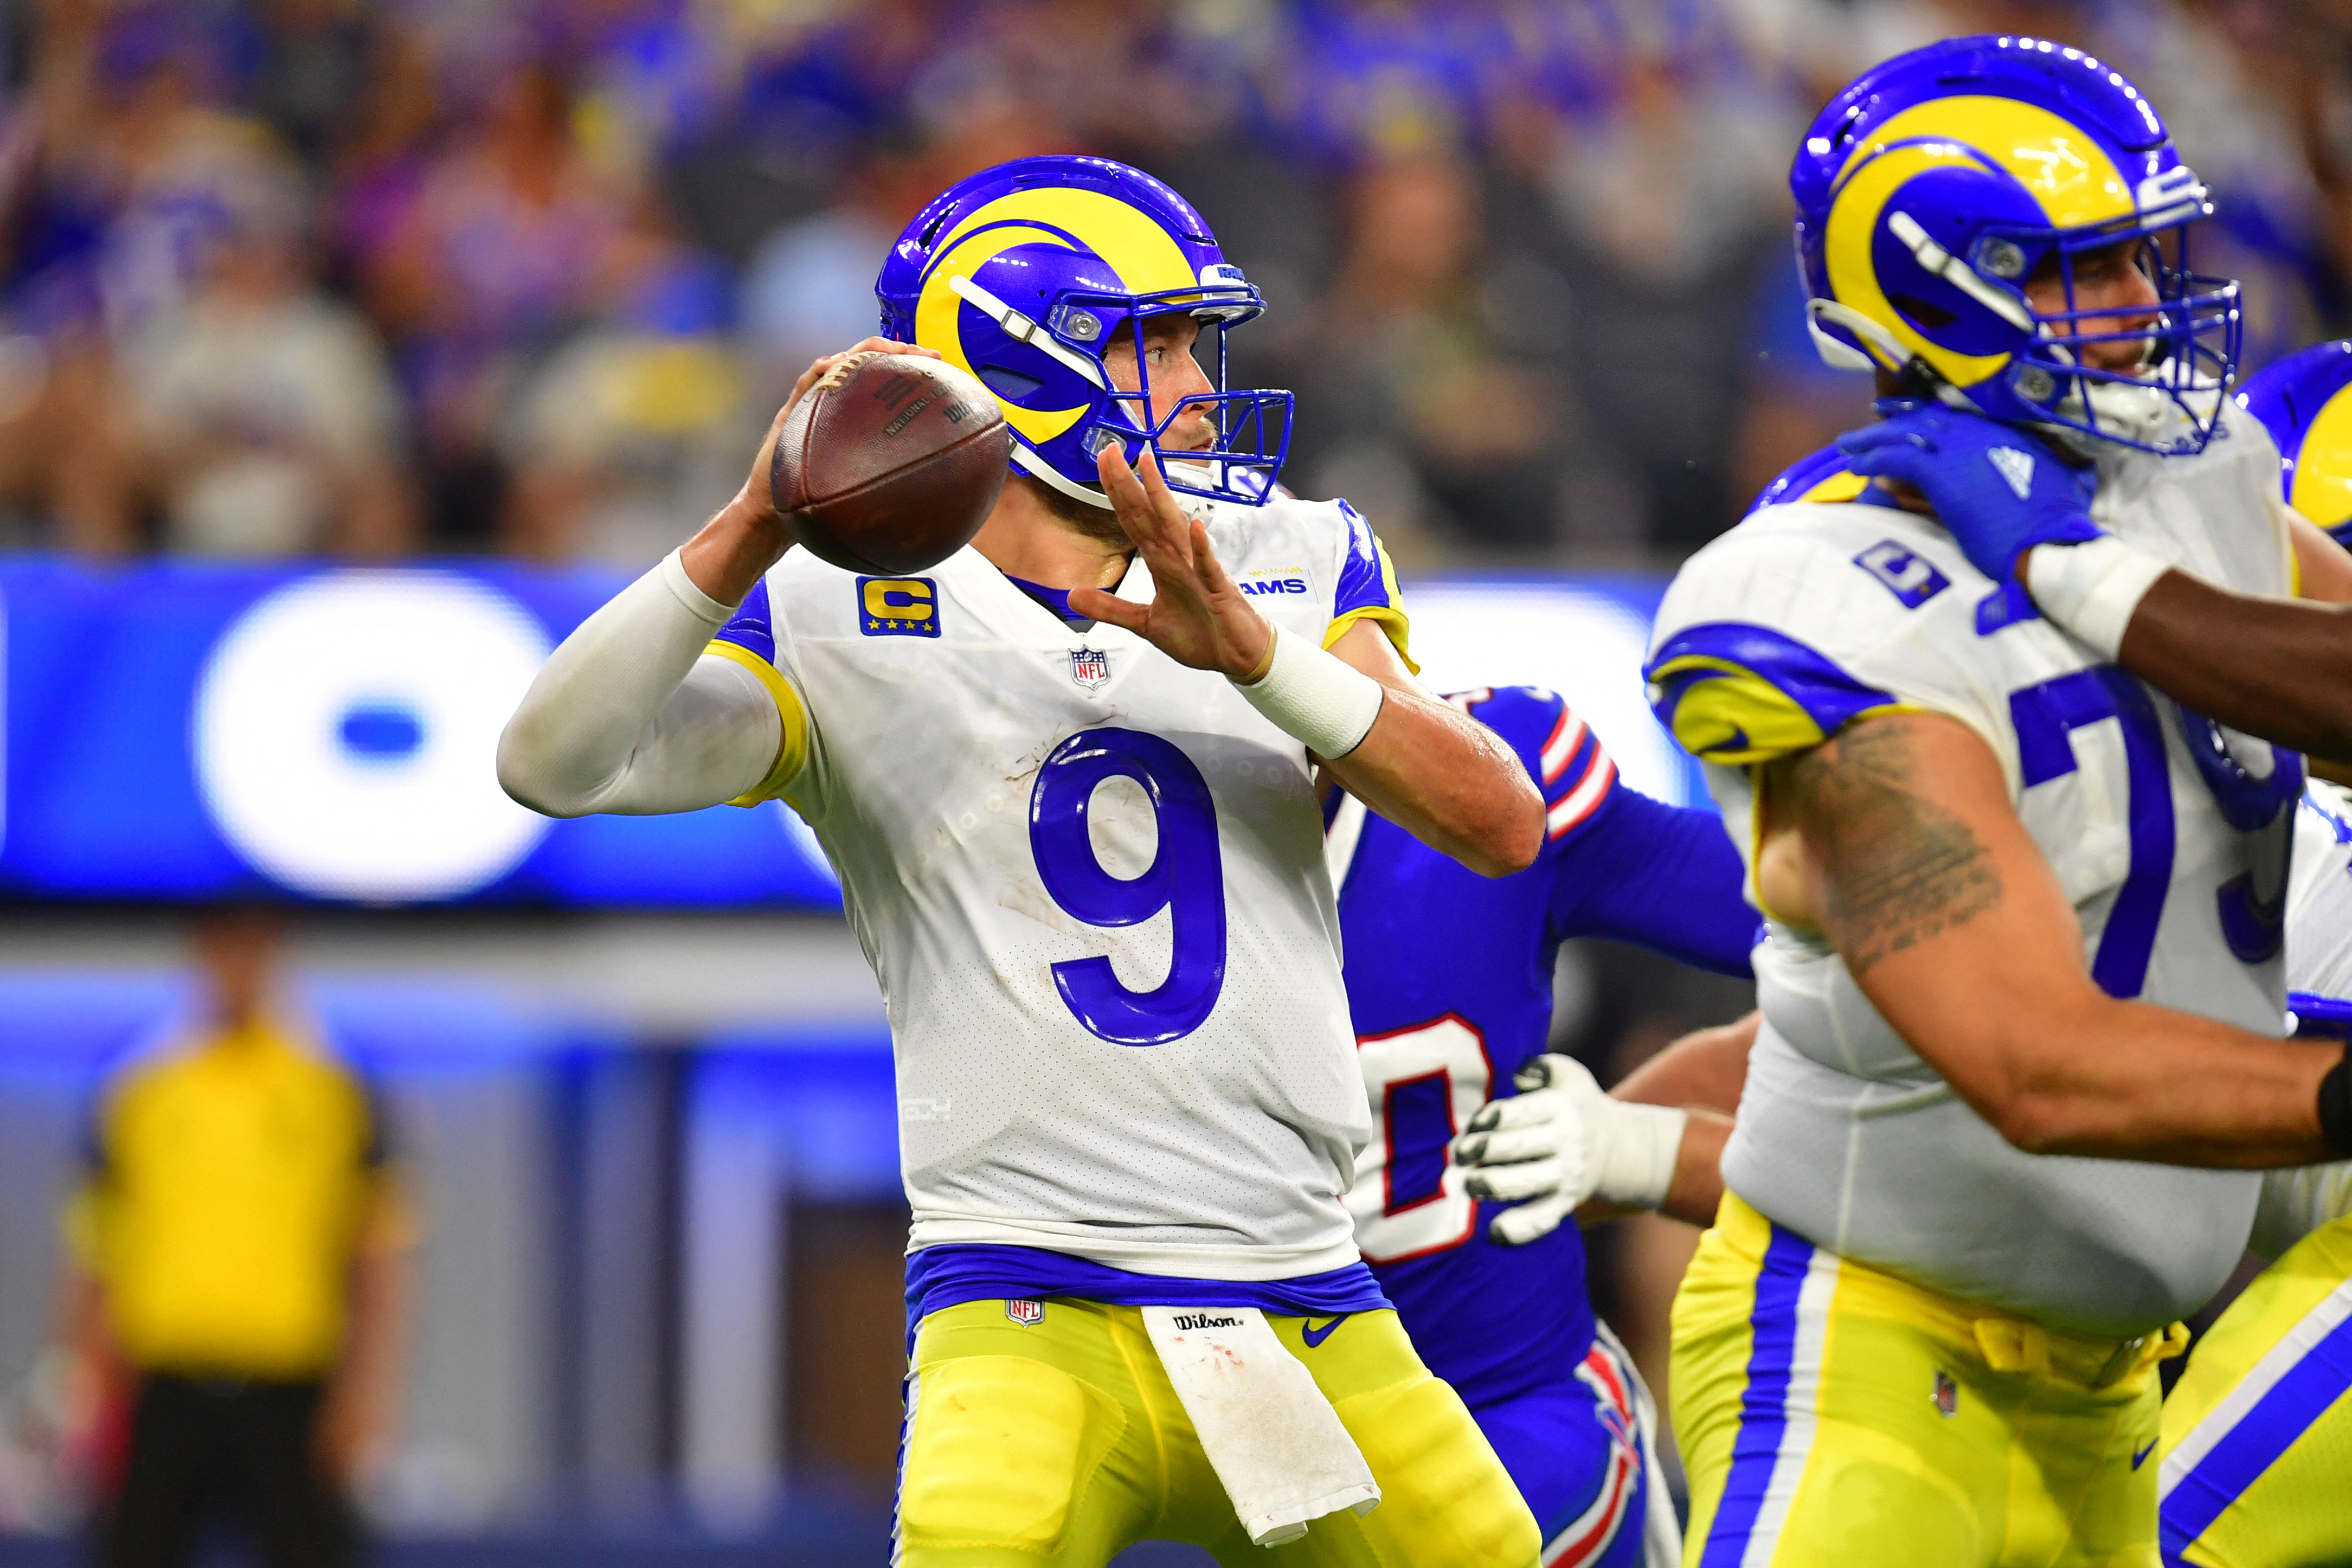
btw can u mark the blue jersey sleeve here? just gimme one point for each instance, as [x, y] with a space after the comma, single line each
[753, 627]
[1621, 865]
[1367, 589]
[1643, 872]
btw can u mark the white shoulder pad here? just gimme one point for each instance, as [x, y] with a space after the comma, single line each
[1810, 615]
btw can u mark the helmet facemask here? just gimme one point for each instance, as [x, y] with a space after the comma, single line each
[1252, 428]
[2169, 401]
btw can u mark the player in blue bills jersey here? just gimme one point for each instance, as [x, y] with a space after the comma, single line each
[1449, 980]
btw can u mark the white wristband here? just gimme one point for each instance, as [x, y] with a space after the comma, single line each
[1314, 697]
[2092, 589]
[1637, 1159]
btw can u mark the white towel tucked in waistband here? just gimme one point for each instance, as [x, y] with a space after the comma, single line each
[1269, 1433]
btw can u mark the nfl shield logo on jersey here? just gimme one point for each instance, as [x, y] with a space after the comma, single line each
[1028, 1314]
[1090, 667]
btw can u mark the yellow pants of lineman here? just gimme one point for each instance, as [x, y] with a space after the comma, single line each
[1061, 1443]
[2257, 1466]
[1830, 1413]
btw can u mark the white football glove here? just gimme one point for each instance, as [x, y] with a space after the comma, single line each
[1561, 1140]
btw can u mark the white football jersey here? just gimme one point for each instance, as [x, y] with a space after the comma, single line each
[1091, 883]
[1808, 615]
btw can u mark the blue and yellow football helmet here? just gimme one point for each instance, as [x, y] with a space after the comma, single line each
[1023, 273]
[1935, 184]
[2303, 402]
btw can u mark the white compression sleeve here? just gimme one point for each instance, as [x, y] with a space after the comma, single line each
[2092, 589]
[1316, 697]
[627, 716]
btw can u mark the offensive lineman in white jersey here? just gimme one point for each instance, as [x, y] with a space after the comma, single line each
[1128, 1096]
[2250, 1474]
[2251, 1470]
[1919, 1331]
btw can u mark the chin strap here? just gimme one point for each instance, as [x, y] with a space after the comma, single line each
[1038, 467]
[1197, 508]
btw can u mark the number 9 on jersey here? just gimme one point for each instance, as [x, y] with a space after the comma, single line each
[1186, 878]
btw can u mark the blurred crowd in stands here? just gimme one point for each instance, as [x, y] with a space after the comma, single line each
[374, 278]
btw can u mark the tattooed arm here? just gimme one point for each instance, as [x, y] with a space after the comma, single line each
[1897, 842]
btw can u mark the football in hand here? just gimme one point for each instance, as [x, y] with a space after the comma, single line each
[890, 463]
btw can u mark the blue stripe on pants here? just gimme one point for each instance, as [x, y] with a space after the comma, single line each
[2280, 1416]
[1763, 1406]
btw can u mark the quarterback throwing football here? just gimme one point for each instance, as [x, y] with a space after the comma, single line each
[1065, 777]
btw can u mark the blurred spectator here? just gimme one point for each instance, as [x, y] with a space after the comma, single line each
[382, 158]
[306, 63]
[1669, 202]
[238, 1267]
[124, 171]
[635, 427]
[809, 289]
[1426, 392]
[262, 415]
[1527, 257]
[512, 237]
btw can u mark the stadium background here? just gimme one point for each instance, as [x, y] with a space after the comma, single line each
[351, 353]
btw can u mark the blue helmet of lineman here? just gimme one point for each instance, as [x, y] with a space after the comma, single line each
[1935, 186]
[2304, 401]
[1025, 273]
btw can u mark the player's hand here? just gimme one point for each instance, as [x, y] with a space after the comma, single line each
[1533, 1150]
[1562, 1141]
[1197, 617]
[1999, 490]
[754, 493]
[748, 534]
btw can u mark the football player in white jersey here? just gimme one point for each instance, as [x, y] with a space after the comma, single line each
[1066, 779]
[2023, 989]
[2250, 1473]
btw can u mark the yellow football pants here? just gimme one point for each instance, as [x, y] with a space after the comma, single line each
[2257, 1469]
[1061, 1443]
[1832, 1414]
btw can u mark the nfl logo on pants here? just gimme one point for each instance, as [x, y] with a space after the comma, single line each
[1090, 667]
[1028, 1314]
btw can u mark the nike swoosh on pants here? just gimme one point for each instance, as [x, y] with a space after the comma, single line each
[1314, 1336]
